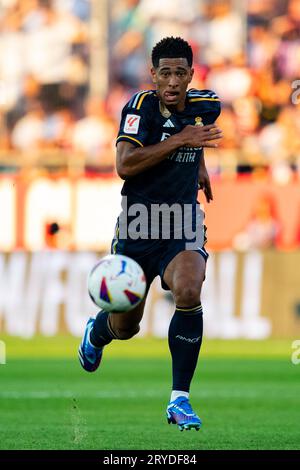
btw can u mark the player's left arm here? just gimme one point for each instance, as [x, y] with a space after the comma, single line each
[203, 179]
[212, 105]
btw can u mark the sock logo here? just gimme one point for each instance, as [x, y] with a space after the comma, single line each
[189, 340]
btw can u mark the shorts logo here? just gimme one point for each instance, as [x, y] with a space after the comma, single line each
[132, 123]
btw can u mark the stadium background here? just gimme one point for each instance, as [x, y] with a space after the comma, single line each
[67, 67]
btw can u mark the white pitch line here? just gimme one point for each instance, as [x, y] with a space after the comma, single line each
[43, 395]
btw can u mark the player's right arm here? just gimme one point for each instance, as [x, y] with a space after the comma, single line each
[132, 160]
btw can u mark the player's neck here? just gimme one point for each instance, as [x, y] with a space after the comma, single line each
[178, 108]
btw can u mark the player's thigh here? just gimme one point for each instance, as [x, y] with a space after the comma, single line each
[186, 271]
[128, 320]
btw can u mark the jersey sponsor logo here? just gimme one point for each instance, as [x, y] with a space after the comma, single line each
[132, 124]
[169, 123]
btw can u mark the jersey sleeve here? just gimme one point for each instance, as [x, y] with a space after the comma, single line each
[207, 102]
[135, 120]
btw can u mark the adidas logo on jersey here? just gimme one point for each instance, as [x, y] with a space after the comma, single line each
[169, 123]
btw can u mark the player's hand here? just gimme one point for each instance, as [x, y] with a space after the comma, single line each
[204, 184]
[201, 136]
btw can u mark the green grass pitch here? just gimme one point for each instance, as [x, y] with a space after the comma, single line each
[246, 392]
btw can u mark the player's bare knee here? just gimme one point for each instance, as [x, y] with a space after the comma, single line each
[187, 296]
[127, 333]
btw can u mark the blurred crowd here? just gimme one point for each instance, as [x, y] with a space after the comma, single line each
[247, 52]
[45, 104]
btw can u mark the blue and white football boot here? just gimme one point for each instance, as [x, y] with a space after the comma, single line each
[89, 356]
[181, 413]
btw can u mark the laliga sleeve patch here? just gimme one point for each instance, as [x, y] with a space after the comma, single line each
[132, 123]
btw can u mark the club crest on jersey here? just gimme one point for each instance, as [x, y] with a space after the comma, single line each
[198, 121]
[132, 124]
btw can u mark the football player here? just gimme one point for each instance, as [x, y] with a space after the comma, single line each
[160, 158]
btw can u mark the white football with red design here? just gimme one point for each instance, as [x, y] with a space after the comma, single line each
[117, 283]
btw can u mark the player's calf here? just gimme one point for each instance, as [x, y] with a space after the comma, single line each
[126, 333]
[126, 325]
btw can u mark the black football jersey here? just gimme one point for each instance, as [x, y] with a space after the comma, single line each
[143, 123]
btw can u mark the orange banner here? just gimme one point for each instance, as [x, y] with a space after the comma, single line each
[80, 213]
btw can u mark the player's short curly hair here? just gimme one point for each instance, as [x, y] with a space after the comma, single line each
[170, 48]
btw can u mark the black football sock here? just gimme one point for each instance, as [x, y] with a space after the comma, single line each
[185, 338]
[101, 333]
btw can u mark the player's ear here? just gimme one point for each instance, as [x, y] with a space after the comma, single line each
[191, 75]
[153, 75]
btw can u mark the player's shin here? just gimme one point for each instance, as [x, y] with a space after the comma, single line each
[101, 333]
[185, 338]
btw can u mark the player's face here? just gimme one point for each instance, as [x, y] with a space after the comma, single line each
[172, 77]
